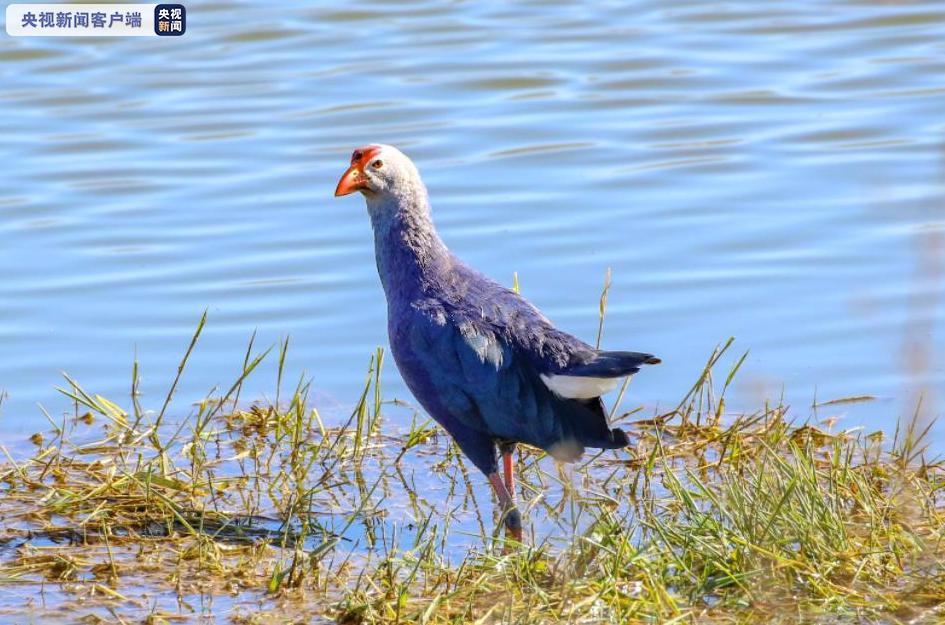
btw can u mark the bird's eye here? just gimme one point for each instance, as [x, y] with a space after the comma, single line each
[377, 164]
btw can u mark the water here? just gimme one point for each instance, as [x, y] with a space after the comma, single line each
[772, 171]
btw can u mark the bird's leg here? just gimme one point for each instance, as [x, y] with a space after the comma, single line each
[507, 450]
[512, 517]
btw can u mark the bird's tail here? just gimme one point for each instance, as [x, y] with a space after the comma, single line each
[571, 448]
[584, 419]
[613, 365]
[586, 427]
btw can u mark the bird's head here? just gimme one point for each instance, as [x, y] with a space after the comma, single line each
[379, 170]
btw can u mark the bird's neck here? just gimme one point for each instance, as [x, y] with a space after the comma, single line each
[409, 252]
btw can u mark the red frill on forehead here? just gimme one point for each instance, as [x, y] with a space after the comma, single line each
[362, 155]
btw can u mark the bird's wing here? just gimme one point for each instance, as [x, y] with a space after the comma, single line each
[464, 364]
[503, 366]
[569, 367]
[488, 382]
[481, 378]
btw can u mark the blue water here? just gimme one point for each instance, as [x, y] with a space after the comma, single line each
[770, 171]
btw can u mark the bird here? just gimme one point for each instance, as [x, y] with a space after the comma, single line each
[484, 362]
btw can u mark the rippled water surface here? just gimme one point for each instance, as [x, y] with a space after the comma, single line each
[772, 171]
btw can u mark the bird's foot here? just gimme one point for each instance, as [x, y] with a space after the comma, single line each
[513, 523]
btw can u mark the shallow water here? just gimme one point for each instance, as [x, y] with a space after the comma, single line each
[770, 171]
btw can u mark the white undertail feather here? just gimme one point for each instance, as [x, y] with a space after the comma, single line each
[579, 387]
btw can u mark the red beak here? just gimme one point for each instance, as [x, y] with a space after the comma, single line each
[351, 181]
[354, 179]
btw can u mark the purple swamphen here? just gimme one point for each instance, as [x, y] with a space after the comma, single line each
[483, 361]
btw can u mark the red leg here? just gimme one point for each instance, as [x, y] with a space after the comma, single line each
[507, 469]
[513, 518]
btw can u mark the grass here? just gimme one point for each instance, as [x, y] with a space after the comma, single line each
[263, 513]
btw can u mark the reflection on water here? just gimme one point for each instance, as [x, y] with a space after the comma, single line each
[770, 171]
